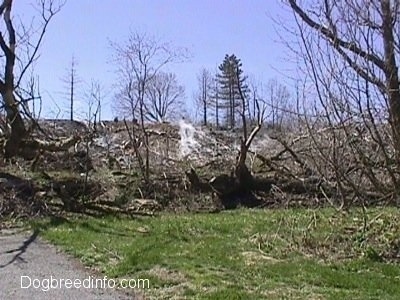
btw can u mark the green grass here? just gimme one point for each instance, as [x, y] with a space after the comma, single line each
[243, 254]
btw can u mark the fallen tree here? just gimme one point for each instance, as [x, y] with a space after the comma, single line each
[239, 187]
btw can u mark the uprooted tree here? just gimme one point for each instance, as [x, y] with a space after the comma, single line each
[237, 188]
[17, 140]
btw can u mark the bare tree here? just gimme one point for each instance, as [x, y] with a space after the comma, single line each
[18, 130]
[254, 95]
[10, 84]
[204, 97]
[277, 98]
[72, 81]
[364, 35]
[348, 52]
[217, 102]
[94, 98]
[164, 97]
[138, 62]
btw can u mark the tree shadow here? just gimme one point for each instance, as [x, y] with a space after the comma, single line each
[56, 221]
[21, 250]
[53, 222]
[108, 230]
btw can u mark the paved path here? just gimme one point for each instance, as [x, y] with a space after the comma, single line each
[24, 254]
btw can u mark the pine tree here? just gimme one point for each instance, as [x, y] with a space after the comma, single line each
[229, 80]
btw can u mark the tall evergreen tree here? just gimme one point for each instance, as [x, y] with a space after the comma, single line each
[230, 79]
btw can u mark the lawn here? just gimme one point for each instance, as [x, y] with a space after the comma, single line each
[243, 254]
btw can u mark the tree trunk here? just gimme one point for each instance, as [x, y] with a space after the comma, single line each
[18, 131]
[391, 74]
[205, 114]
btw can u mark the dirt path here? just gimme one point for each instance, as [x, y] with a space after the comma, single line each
[24, 257]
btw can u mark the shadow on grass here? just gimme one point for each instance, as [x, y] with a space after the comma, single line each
[50, 222]
[102, 229]
[85, 222]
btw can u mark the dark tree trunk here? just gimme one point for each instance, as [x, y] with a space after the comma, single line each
[18, 130]
[391, 74]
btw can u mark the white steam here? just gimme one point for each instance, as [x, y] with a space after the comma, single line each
[188, 143]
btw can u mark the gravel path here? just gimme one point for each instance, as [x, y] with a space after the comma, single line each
[24, 254]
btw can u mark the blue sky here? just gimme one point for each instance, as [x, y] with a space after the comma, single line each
[209, 29]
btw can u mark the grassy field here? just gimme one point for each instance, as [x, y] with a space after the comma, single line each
[243, 254]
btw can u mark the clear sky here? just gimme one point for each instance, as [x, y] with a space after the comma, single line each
[208, 28]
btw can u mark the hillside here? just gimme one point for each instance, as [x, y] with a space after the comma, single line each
[101, 173]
